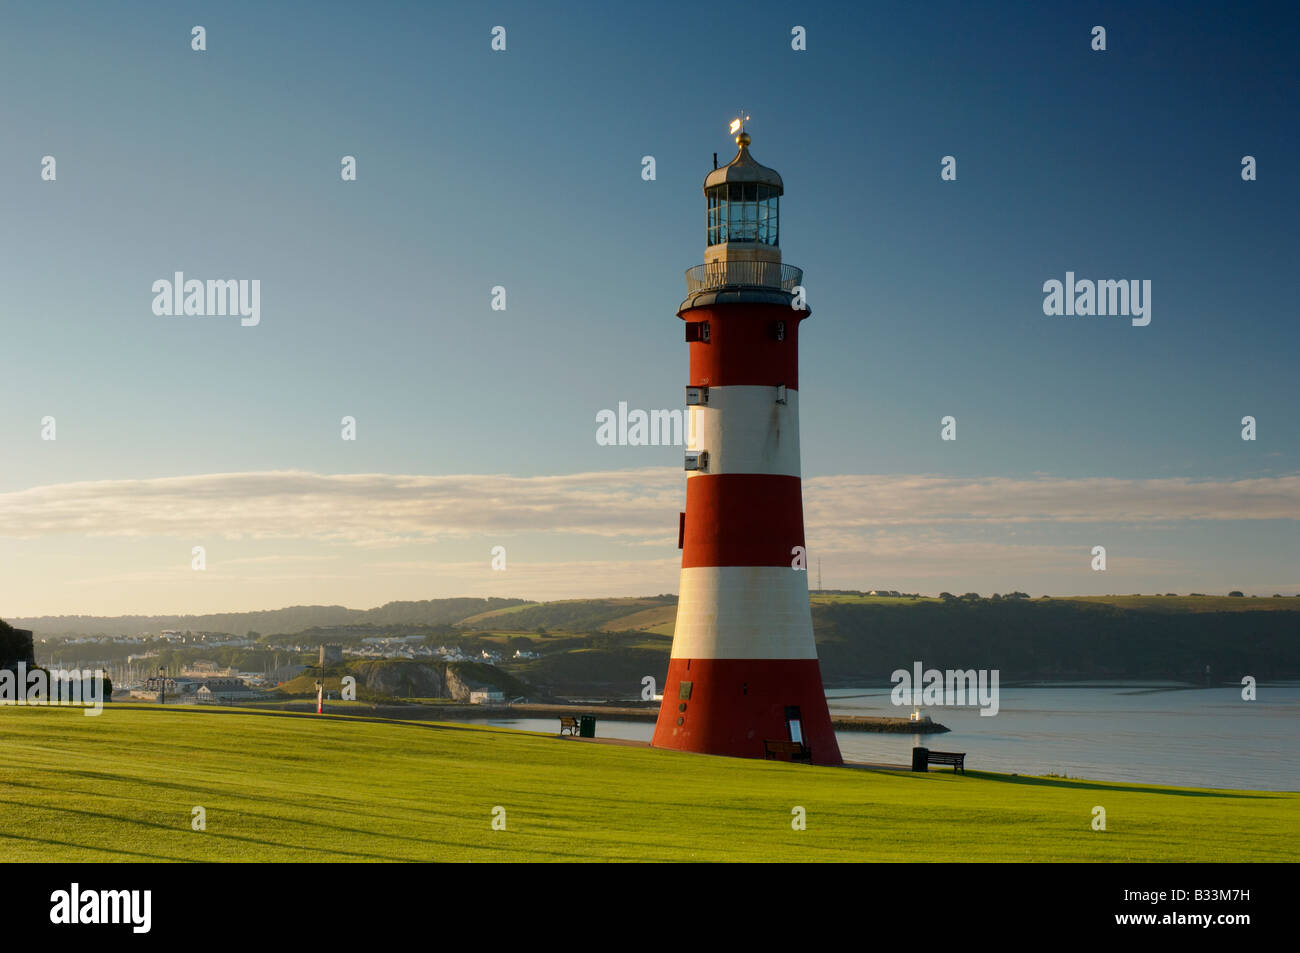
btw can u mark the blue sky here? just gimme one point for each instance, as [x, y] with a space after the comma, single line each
[522, 169]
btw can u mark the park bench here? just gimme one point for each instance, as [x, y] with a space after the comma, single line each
[795, 749]
[570, 724]
[922, 758]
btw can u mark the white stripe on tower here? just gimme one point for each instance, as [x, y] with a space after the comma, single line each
[743, 612]
[745, 430]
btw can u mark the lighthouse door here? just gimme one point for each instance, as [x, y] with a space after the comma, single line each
[794, 722]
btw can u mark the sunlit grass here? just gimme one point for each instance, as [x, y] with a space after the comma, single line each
[285, 787]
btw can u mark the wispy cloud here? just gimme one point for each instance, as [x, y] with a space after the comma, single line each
[364, 508]
[279, 538]
[840, 510]
[627, 506]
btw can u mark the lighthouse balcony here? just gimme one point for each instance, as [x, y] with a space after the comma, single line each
[718, 275]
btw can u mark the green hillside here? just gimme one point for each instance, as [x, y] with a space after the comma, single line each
[569, 615]
[285, 787]
[1060, 638]
[291, 619]
[1193, 603]
[591, 646]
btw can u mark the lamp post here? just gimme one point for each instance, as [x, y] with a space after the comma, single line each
[162, 687]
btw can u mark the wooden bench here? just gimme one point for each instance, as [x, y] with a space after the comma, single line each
[570, 724]
[955, 758]
[795, 749]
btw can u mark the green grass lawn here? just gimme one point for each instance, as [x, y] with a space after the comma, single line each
[501, 636]
[478, 617]
[839, 598]
[285, 787]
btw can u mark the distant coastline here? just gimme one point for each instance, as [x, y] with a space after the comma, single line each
[608, 648]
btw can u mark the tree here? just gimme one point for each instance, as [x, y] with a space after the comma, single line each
[1237, 593]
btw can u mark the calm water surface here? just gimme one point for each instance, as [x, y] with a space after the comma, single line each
[1157, 734]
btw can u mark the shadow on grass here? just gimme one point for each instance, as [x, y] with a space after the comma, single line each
[121, 820]
[367, 836]
[1080, 785]
[277, 713]
[513, 850]
[153, 855]
[416, 819]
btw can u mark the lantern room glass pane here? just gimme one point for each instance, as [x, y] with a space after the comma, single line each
[743, 212]
[717, 214]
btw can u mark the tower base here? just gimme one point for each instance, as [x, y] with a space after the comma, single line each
[732, 706]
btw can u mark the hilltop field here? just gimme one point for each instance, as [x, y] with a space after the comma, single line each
[285, 787]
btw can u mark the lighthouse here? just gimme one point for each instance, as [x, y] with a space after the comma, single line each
[743, 678]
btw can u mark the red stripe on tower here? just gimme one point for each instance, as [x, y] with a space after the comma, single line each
[742, 519]
[744, 669]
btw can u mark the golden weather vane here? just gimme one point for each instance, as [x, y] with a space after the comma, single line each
[738, 124]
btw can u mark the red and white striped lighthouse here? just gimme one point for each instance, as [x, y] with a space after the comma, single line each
[744, 670]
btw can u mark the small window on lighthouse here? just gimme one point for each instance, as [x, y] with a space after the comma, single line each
[697, 331]
[795, 723]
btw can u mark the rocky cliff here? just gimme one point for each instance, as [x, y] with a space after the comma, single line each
[454, 680]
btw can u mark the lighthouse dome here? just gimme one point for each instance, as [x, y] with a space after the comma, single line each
[743, 168]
